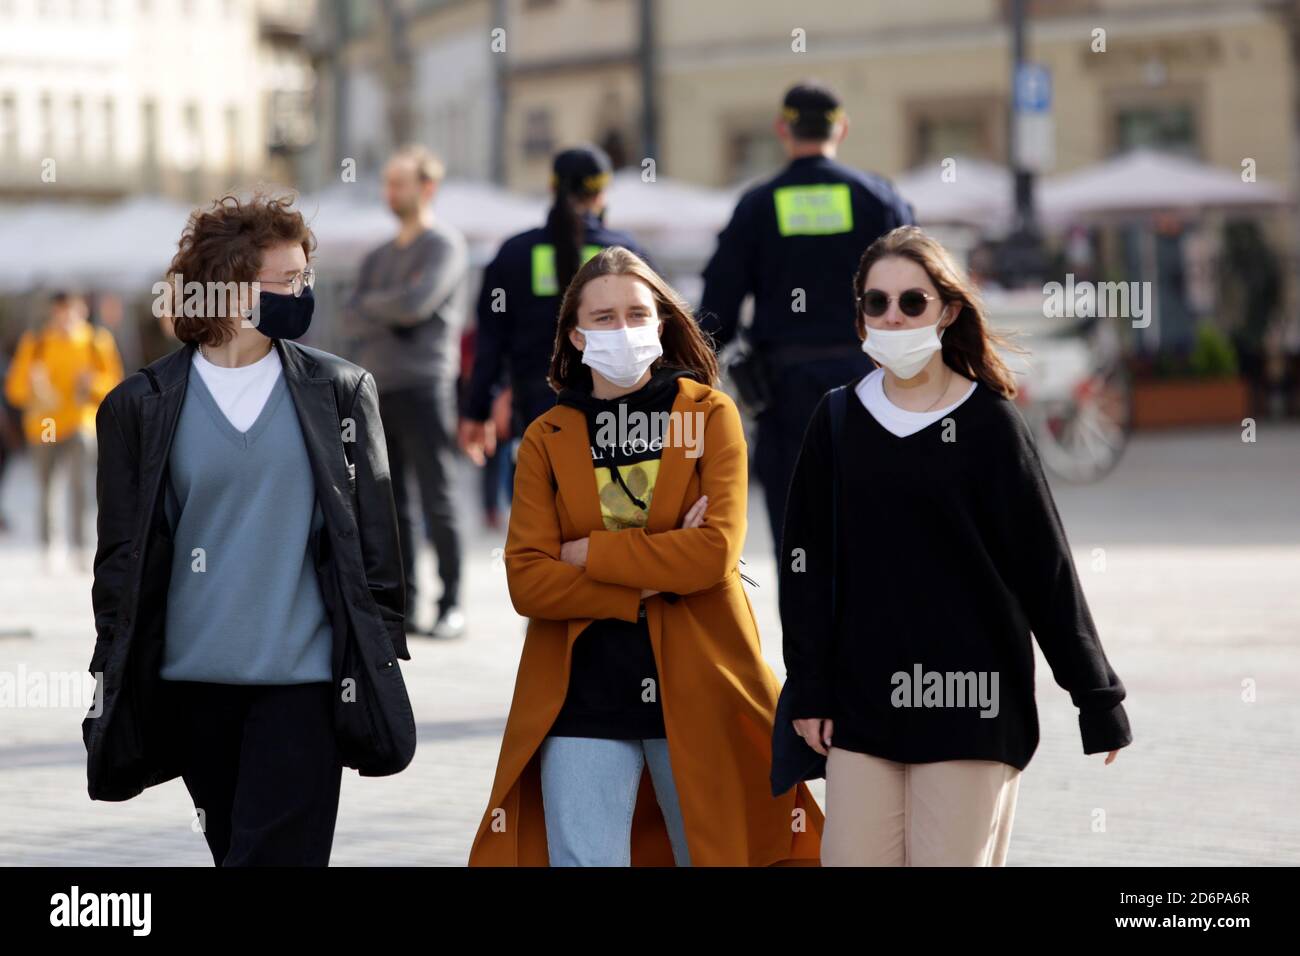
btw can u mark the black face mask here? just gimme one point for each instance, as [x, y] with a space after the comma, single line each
[283, 316]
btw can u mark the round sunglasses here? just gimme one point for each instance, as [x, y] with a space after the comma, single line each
[911, 302]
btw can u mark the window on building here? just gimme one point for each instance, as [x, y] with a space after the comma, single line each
[965, 126]
[149, 135]
[191, 157]
[78, 111]
[539, 137]
[456, 143]
[1166, 127]
[752, 150]
[8, 126]
[358, 17]
[108, 131]
[193, 146]
[232, 139]
[939, 138]
[615, 143]
[47, 124]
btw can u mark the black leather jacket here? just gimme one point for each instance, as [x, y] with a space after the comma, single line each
[359, 560]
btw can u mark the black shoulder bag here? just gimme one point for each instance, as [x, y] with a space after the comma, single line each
[792, 759]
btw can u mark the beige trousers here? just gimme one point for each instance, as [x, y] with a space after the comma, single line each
[948, 813]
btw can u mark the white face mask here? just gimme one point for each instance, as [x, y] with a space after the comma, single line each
[622, 355]
[903, 351]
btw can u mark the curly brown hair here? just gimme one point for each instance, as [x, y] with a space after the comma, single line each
[223, 245]
[684, 344]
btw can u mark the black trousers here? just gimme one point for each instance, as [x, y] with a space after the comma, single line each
[796, 391]
[262, 766]
[419, 426]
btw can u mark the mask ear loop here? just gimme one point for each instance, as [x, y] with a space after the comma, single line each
[940, 329]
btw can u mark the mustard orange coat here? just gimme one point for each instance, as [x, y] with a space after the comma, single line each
[718, 694]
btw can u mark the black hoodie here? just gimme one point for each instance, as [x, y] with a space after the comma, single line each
[612, 660]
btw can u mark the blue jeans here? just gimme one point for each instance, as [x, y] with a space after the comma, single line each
[589, 788]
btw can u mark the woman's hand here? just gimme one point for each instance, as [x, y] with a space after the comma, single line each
[695, 516]
[1110, 757]
[816, 732]
[478, 440]
[574, 552]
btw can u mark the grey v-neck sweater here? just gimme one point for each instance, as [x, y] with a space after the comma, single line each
[243, 603]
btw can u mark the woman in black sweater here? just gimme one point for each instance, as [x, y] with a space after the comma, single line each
[921, 547]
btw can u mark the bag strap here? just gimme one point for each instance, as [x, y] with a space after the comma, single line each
[153, 379]
[838, 403]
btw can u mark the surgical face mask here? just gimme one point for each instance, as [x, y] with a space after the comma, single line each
[622, 355]
[903, 351]
[282, 316]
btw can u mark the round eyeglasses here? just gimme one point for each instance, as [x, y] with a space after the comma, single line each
[911, 303]
[300, 280]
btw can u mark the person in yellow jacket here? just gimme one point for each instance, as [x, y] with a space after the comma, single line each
[59, 375]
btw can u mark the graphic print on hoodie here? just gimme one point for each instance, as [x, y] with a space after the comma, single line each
[613, 659]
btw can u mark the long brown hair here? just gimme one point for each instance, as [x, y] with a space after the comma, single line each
[683, 343]
[969, 345]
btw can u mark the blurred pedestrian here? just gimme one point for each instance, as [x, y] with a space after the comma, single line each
[60, 374]
[520, 296]
[641, 654]
[11, 439]
[248, 585]
[928, 548]
[405, 316]
[792, 243]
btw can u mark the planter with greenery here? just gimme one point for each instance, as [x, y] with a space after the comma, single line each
[1200, 388]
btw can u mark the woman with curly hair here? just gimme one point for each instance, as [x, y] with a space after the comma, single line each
[248, 588]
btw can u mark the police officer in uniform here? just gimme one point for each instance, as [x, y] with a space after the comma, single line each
[794, 243]
[520, 300]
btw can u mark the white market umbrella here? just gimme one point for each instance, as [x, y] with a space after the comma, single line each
[129, 245]
[1147, 181]
[41, 243]
[968, 191]
[664, 205]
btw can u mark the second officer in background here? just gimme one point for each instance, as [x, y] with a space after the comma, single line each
[520, 300]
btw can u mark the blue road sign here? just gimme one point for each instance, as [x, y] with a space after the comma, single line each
[1033, 93]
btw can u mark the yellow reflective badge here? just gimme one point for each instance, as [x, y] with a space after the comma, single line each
[544, 282]
[818, 210]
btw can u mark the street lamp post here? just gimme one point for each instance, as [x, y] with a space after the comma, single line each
[1022, 260]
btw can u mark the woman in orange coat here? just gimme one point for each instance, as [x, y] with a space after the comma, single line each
[641, 722]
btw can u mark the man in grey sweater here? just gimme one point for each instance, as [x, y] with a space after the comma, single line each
[405, 317]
